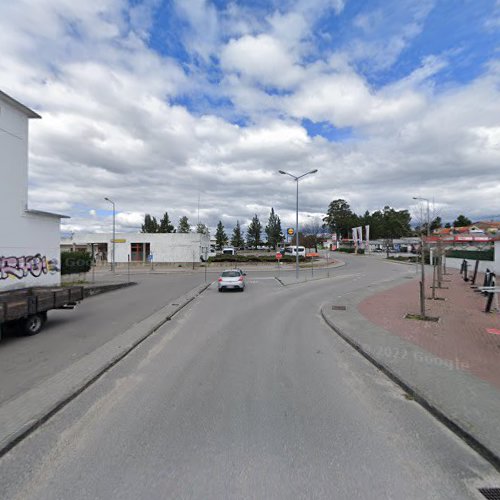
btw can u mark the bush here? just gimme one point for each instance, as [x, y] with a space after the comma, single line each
[75, 262]
[350, 250]
[252, 258]
[471, 254]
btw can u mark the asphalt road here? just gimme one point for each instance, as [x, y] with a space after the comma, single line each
[71, 334]
[247, 395]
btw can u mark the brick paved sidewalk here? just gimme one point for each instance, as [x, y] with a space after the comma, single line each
[460, 337]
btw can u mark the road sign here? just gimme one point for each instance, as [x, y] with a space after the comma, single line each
[279, 256]
[290, 231]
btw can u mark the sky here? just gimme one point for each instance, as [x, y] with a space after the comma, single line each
[192, 106]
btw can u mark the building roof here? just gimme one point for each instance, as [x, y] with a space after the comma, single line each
[485, 224]
[20, 107]
[47, 214]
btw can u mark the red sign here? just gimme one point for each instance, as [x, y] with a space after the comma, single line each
[278, 256]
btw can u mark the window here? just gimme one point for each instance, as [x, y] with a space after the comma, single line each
[139, 252]
[231, 274]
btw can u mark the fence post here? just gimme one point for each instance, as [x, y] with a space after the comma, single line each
[466, 278]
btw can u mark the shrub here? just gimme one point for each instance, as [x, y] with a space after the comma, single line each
[350, 250]
[252, 258]
[471, 254]
[75, 262]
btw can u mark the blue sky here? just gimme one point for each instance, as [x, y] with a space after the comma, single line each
[154, 103]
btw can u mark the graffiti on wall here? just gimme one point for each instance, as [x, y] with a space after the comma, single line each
[27, 265]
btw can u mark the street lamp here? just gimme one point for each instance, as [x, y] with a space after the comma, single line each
[296, 179]
[114, 234]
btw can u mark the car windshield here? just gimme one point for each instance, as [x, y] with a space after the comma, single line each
[231, 274]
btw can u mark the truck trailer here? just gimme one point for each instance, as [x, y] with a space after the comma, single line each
[27, 308]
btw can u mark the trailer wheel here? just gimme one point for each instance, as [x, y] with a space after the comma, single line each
[33, 324]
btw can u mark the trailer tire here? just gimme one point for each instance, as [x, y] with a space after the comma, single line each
[33, 324]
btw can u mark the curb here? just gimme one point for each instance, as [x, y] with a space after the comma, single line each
[91, 290]
[336, 266]
[24, 414]
[417, 395]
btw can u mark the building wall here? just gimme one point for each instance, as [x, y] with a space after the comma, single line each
[13, 161]
[166, 247]
[29, 243]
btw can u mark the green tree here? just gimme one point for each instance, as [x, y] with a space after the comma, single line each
[150, 225]
[183, 226]
[165, 225]
[237, 238]
[273, 229]
[220, 236]
[340, 218]
[436, 223]
[462, 221]
[202, 229]
[254, 232]
[396, 223]
[447, 225]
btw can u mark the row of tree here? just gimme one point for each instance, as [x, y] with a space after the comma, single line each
[387, 223]
[254, 233]
[151, 225]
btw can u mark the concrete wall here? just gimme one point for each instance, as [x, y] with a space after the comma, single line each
[166, 247]
[29, 243]
[457, 264]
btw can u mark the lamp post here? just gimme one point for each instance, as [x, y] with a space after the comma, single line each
[114, 233]
[296, 179]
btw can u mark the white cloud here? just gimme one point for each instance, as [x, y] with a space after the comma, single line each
[109, 127]
[261, 59]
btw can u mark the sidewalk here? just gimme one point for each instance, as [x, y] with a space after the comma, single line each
[460, 336]
[451, 367]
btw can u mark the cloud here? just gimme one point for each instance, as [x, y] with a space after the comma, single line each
[261, 59]
[117, 120]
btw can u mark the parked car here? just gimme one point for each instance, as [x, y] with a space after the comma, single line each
[291, 250]
[232, 279]
[229, 251]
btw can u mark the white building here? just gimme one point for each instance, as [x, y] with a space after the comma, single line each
[29, 241]
[141, 247]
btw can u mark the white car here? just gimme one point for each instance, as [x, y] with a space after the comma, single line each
[232, 279]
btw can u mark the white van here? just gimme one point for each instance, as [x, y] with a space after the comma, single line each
[291, 250]
[229, 251]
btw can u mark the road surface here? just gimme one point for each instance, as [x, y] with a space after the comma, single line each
[70, 335]
[247, 395]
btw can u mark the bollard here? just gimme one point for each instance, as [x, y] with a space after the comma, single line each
[466, 278]
[491, 295]
[462, 267]
[474, 276]
[487, 278]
